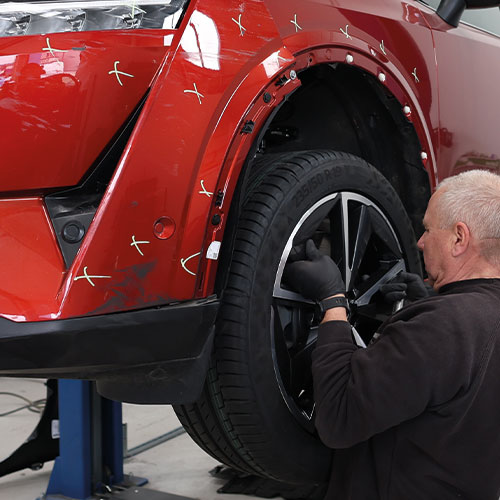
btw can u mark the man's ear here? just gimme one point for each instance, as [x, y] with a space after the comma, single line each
[461, 239]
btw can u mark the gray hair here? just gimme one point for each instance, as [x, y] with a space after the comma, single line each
[473, 197]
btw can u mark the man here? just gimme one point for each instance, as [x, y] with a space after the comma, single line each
[416, 415]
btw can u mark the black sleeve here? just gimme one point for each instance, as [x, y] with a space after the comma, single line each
[361, 392]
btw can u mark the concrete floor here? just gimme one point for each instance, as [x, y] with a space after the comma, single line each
[177, 466]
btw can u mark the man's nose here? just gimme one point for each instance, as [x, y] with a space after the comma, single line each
[420, 243]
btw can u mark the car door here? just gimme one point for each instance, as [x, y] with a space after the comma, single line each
[468, 78]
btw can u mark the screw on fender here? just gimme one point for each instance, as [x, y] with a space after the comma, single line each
[248, 127]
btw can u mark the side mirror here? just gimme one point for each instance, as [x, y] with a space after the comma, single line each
[451, 11]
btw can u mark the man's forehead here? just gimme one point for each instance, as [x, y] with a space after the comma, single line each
[432, 208]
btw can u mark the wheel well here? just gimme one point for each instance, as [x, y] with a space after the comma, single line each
[345, 109]
[342, 108]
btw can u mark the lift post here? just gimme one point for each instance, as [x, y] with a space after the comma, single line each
[90, 462]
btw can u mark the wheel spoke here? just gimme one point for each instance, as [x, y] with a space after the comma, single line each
[384, 232]
[293, 342]
[345, 240]
[363, 235]
[304, 230]
[301, 377]
[357, 338]
[313, 221]
[280, 349]
[287, 295]
[301, 358]
[373, 285]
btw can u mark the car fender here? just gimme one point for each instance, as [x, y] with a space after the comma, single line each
[416, 97]
[128, 258]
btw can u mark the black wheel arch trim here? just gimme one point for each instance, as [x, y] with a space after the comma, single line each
[238, 197]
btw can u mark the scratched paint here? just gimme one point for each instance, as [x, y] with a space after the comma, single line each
[129, 290]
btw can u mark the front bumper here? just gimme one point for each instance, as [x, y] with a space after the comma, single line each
[157, 355]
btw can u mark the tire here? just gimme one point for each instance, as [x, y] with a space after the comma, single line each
[256, 413]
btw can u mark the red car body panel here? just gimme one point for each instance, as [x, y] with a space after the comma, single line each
[61, 103]
[468, 92]
[31, 264]
[207, 79]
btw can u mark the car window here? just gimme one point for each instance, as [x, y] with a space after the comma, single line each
[432, 3]
[485, 19]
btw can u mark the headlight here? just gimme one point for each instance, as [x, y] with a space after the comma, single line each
[17, 18]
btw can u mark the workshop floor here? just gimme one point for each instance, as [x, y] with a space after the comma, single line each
[177, 466]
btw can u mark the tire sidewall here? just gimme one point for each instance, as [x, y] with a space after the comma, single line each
[304, 456]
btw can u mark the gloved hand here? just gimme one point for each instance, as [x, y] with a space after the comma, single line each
[316, 278]
[404, 286]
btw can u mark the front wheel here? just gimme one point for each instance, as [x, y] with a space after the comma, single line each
[257, 410]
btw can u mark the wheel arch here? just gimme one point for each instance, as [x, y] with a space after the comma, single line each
[371, 123]
[345, 108]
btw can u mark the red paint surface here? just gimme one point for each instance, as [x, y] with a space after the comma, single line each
[31, 267]
[62, 108]
[58, 111]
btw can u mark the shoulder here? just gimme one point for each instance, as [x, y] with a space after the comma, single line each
[461, 298]
[457, 311]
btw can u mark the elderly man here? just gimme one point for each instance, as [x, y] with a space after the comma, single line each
[416, 415]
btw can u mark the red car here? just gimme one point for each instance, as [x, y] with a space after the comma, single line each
[161, 161]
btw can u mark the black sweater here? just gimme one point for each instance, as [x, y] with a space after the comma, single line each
[415, 415]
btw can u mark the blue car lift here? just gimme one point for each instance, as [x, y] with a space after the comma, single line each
[90, 461]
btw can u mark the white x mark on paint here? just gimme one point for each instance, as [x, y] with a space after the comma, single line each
[346, 33]
[415, 75]
[132, 13]
[185, 261]
[382, 47]
[295, 23]
[52, 50]
[238, 22]
[90, 278]
[137, 243]
[195, 91]
[208, 193]
[118, 73]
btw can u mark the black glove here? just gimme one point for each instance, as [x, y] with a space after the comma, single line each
[316, 278]
[405, 286]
